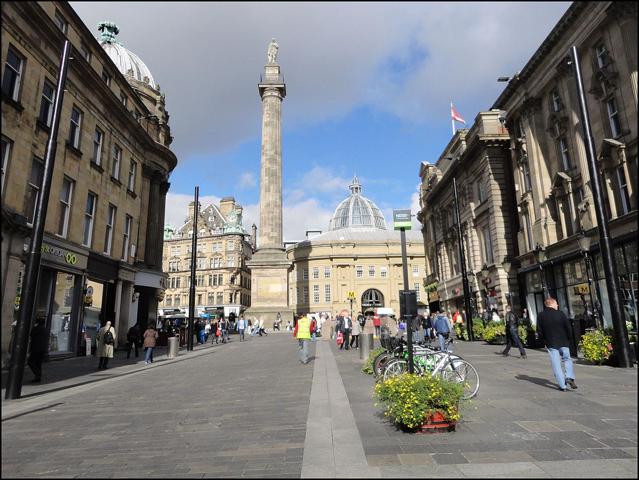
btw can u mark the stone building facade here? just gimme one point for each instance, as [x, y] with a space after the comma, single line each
[357, 254]
[223, 280]
[553, 197]
[102, 247]
[479, 161]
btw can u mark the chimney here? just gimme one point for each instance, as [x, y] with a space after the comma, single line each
[226, 205]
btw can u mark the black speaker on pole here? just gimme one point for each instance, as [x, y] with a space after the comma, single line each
[407, 303]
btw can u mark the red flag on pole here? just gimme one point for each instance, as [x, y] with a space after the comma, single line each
[455, 114]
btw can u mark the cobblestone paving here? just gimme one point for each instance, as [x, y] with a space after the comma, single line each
[233, 410]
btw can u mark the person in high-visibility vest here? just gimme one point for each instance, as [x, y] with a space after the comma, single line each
[303, 334]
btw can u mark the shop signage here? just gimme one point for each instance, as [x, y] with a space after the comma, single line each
[401, 219]
[66, 256]
[582, 289]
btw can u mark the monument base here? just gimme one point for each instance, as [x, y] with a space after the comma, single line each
[269, 287]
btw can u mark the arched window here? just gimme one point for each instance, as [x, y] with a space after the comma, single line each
[372, 298]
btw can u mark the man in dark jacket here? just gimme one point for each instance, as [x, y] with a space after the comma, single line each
[133, 340]
[512, 335]
[554, 331]
[39, 347]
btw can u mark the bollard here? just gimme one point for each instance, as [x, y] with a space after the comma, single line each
[174, 345]
[366, 345]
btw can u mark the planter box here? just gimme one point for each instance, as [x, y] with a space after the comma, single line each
[436, 423]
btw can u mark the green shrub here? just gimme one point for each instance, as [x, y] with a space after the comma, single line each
[460, 331]
[522, 330]
[368, 364]
[410, 399]
[596, 345]
[478, 328]
[494, 330]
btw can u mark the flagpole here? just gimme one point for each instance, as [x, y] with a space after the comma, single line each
[452, 120]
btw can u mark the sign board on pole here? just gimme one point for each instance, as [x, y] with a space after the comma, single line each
[401, 219]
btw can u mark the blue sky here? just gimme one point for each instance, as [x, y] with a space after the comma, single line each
[368, 91]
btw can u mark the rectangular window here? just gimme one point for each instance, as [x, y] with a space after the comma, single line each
[526, 173]
[97, 146]
[211, 299]
[33, 188]
[74, 128]
[85, 52]
[305, 294]
[46, 104]
[201, 263]
[622, 186]
[480, 191]
[128, 220]
[371, 271]
[327, 272]
[199, 281]
[565, 154]
[61, 22]
[327, 293]
[6, 150]
[528, 233]
[315, 273]
[89, 216]
[613, 117]
[106, 77]
[230, 246]
[488, 246]
[557, 104]
[304, 273]
[415, 270]
[124, 99]
[108, 234]
[416, 288]
[12, 77]
[383, 272]
[66, 193]
[115, 164]
[220, 299]
[230, 261]
[602, 55]
[316, 294]
[359, 271]
[132, 171]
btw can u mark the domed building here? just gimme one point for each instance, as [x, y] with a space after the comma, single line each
[357, 254]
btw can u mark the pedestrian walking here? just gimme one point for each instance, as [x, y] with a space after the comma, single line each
[553, 328]
[303, 334]
[313, 329]
[133, 340]
[223, 329]
[346, 328]
[356, 331]
[442, 329]
[512, 335]
[215, 331]
[150, 339]
[106, 342]
[38, 348]
[207, 330]
[241, 326]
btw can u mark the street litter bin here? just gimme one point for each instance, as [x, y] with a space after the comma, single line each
[366, 345]
[174, 345]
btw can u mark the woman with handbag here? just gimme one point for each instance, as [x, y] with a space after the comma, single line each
[150, 338]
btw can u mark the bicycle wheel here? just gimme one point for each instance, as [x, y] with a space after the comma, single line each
[380, 363]
[395, 367]
[460, 371]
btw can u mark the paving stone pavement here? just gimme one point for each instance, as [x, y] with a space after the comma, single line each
[248, 410]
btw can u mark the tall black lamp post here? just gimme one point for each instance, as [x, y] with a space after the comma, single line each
[584, 245]
[540, 257]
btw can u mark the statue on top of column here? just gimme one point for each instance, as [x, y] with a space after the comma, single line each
[272, 51]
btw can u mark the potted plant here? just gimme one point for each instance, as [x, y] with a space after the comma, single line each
[596, 345]
[478, 328]
[420, 403]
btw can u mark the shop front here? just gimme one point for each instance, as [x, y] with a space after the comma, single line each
[150, 285]
[59, 295]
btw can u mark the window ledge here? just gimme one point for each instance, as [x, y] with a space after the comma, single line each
[74, 150]
[116, 181]
[10, 101]
[96, 167]
[41, 126]
[131, 193]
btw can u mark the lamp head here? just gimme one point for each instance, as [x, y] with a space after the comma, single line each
[507, 263]
[485, 271]
[584, 241]
[540, 253]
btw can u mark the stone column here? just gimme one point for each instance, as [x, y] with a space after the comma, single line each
[269, 266]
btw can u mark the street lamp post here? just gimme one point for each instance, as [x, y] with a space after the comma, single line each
[584, 244]
[462, 259]
[540, 257]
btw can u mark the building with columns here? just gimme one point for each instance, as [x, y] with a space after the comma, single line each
[553, 200]
[479, 161]
[357, 254]
[102, 246]
[223, 280]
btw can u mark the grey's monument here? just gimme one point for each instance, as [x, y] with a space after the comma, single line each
[269, 265]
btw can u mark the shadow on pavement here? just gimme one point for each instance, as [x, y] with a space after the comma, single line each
[538, 381]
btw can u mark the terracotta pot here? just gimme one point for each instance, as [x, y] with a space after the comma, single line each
[436, 423]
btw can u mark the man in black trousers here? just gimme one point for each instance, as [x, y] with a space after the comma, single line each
[39, 347]
[512, 335]
[347, 325]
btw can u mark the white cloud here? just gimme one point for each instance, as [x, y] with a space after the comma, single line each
[247, 180]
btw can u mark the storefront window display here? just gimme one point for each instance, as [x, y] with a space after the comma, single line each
[93, 298]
